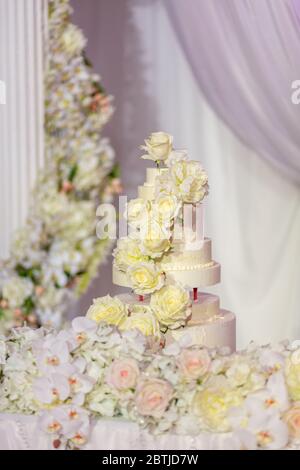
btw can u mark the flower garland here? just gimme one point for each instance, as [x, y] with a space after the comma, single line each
[92, 370]
[56, 254]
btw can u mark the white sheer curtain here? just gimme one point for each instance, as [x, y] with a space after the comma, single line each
[245, 57]
[252, 213]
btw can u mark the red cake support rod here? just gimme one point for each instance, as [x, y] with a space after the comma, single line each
[195, 294]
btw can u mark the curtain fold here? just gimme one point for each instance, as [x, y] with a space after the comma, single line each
[245, 56]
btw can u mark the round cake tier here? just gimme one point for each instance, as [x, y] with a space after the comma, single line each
[218, 332]
[206, 307]
[201, 275]
[195, 276]
[147, 191]
[179, 256]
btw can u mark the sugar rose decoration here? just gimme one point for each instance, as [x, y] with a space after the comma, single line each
[128, 253]
[190, 181]
[155, 239]
[108, 309]
[145, 278]
[158, 146]
[142, 319]
[136, 212]
[153, 397]
[171, 305]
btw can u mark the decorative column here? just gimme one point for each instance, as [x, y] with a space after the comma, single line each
[22, 25]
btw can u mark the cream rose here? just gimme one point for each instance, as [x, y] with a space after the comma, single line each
[145, 278]
[123, 374]
[292, 373]
[153, 397]
[155, 239]
[108, 309]
[158, 146]
[190, 181]
[164, 185]
[213, 403]
[142, 320]
[176, 156]
[171, 306]
[292, 419]
[137, 212]
[127, 253]
[193, 364]
[166, 206]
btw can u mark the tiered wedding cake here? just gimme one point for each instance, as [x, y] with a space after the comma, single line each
[165, 258]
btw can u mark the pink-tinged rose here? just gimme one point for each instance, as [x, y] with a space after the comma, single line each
[292, 419]
[122, 374]
[193, 364]
[153, 396]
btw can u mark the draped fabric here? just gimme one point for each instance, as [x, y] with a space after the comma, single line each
[252, 213]
[21, 432]
[245, 57]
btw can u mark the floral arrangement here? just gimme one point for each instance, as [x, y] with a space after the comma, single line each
[180, 182]
[93, 370]
[56, 254]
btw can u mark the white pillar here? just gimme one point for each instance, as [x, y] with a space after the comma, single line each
[21, 117]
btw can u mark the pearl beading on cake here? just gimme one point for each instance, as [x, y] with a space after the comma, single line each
[171, 267]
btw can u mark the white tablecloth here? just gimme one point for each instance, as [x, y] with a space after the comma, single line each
[19, 432]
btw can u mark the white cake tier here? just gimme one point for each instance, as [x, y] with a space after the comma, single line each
[206, 307]
[196, 276]
[219, 331]
[201, 275]
[147, 191]
[179, 255]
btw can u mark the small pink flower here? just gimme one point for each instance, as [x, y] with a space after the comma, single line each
[292, 419]
[153, 396]
[122, 374]
[193, 363]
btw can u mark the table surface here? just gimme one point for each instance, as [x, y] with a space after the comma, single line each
[21, 432]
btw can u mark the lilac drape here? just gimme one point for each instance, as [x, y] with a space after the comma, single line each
[245, 56]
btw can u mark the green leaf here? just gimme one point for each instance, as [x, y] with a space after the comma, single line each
[99, 88]
[87, 61]
[115, 172]
[28, 305]
[31, 273]
[73, 172]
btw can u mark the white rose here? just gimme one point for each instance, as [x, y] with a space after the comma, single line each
[190, 181]
[176, 156]
[167, 207]
[164, 185]
[155, 239]
[16, 290]
[144, 321]
[108, 309]
[145, 278]
[137, 211]
[171, 306]
[127, 253]
[158, 146]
